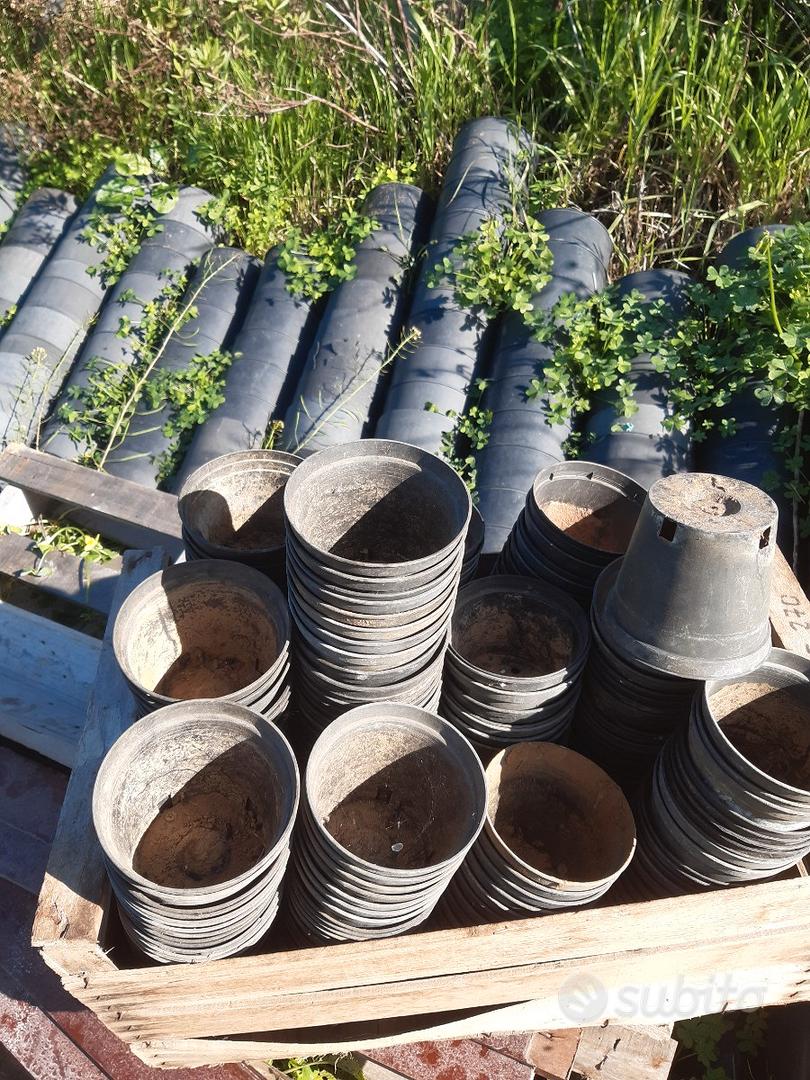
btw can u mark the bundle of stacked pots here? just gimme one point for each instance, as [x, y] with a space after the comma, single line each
[393, 799]
[558, 833]
[729, 799]
[37, 227]
[206, 629]
[577, 519]
[689, 601]
[375, 542]
[472, 547]
[194, 808]
[514, 664]
[233, 508]
[522, 439]
[268, 353]
[641, 445]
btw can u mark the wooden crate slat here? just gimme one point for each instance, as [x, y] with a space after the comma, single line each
[47, 672]
[59, 573]
[128, 513]
[790, 608]
[75, 891]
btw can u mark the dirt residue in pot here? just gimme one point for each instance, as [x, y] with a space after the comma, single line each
[200, 838]
[769, 726]
[511, 635]
[200, 674]
[407, 816]
[606, 528]
[548, 830]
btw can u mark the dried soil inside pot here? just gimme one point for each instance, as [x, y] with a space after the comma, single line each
[241, 522]
[513, 636]
[405, 816]
[203, 640]
[606, 528]
[769, 726]
[211, 831]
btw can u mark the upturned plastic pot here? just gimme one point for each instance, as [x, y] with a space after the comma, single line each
[207, 628]
[12, 174]
[558, 833]
[577, 519]
[194, 807]
[219, 292]
[577, 227]
[37, 227]
[736, 252]
[233, 508]
[394, 798]
[704, 544]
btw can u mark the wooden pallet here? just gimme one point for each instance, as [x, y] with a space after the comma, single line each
[646, 963]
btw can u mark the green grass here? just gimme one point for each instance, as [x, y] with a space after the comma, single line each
[686, 119]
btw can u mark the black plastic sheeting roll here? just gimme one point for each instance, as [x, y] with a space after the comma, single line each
[521, 440]
[38, 226]
[180, 239]
[269, 349]
[489, 161]
[337, 390]
[220, 291]
[54, 318]
[750, 453]
[643, 449]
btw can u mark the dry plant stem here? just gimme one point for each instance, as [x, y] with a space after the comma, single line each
[341, 402]
[137, 389]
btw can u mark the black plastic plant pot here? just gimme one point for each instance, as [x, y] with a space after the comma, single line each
[735, 252]
[205, 629]
[233, 508]
[644, 458]
[269, 351]
[12, 176]
[577, 227]
[473, 547]
[511, 633]
[194, 808]
[403, 213]
[526, 860]
[576, 263]
[415, 426]
[36, 229]
[377, 508]
[703, 546]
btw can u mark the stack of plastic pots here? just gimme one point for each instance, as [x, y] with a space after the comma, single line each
[233, 508]
[472, 547]
[375, 542]
[37, 227]
[513, 668]
[689, 601]
[642, 447]
[729, 798]
[558, 833]
[393, 799]
[194, 808]
[206, 629]
[521, 440]
[578, 518]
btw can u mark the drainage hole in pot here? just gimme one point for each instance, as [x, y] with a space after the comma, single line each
[606, 528]
[404, 816]
[550, 830]
[769, 726]
[512, 635]
[207, 833]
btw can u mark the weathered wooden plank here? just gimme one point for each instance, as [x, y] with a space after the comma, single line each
[23, 857]
[31, 792]
[46, 672]
[120, 510]
[553, 1052]
[790, 608]
[75, 891]
[624, 1053]
[59, 573]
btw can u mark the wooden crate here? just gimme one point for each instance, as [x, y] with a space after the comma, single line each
[645, 963]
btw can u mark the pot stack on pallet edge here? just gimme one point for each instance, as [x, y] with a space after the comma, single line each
[206, 629]
[376, 535]
[194, 808]
[393, 799]
[514, 664]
